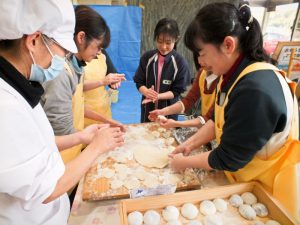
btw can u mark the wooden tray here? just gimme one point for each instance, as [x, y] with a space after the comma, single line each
[99, 189]
[276, 211]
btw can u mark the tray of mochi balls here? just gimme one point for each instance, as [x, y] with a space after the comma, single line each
[237, 204]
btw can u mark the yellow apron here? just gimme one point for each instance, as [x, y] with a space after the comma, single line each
[78, 118]
[279, 173]
[207, 100]
[97, 99]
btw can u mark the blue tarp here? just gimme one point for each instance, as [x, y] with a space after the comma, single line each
[125, 23]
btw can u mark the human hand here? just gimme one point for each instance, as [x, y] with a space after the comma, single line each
[114, 78]
[107, 138]
[151, 94]
[116, 85]
[177, 162]
[153, 115]
[183, 148]
[115, 123]
[168, 123]
[87, 134]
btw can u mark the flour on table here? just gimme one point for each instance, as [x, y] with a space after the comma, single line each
[132, 183]
[115, 184]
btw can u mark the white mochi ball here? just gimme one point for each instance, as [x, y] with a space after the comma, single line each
[249, 198]
[151, 217]
[220, 204]
[135, 218]
[174, 222]
[272, 222]
[207, 208]
[236, 200]
[170, 213]
[194, 222]
[189, 211]
[260, 209]
[212, 220]
[257, 223]
[247, 212]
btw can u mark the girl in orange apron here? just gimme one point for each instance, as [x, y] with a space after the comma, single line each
[256, 113]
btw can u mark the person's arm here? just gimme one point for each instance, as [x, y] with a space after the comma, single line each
[110, 79]
[106, 139]
[90, 114]
[204, 135]
[170, 123]
[57, 103]
[80, 137]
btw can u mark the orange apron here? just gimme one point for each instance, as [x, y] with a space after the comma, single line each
[97, 99]
[279, 174]
[207, 100]
[78, 118]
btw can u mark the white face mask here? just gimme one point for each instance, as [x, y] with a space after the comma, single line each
[42, 75]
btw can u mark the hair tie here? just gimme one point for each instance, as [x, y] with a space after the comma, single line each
[245, 15]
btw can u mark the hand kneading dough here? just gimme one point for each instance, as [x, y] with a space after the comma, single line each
[220, 204]
[135, 218]
[189, 211]
[151, 217]
[212, 220]
[207, 208]
[170, 213]
[249, 198]
[247, 212]
[150, 156]
[194, 222]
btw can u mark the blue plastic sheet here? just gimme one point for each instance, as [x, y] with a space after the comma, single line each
[125, 23]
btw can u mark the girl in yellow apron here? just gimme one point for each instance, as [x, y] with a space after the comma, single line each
[256, 113]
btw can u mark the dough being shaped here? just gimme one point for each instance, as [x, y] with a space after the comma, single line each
[170, 213]
[161, 118]
[151, 181]
[236, 200]
[135, 218]
[150, 156]
[249, 198]
[247, 212]
[108, 173]
[272, 222]
[212, 220]
[174, 222]
[115, 184]
[194, 222]
[132, 183]
[260, 209]
[220, 204]
[207, 208]
[189, 211]
[151, 217]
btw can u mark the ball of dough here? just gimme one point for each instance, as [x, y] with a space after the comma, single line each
[207, 208]
[236, 200]
[174, 222]
[135, 218]
[212, 220]
[161, 118]
[194, 222]
[247, 212]
[170, 213]
[257, 223]
[260, 209]
[151, 217]
[272, 222]
[189, 211]
[249, 198]
[220, 204]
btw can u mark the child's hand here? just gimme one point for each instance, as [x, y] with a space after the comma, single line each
[182, 148]
[151, 94]
[114, 78]
[177, 162]
[169, 123]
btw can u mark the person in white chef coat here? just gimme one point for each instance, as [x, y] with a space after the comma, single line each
[35, 37]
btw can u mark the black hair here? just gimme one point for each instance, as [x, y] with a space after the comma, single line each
[167, 26]
[217, 20]
[196, 62]
[92, 24]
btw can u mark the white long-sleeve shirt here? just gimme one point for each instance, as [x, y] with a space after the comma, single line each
[30, 164]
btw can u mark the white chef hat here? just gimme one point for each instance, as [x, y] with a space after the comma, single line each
[54, 18]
